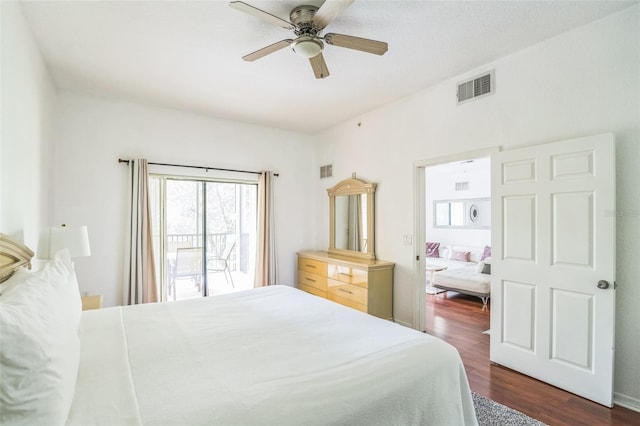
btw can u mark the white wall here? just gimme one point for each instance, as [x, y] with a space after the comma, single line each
[440, 184]
[584, 82]
[92, 133]
[27, 96]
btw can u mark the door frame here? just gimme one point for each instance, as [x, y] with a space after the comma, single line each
[420, 226]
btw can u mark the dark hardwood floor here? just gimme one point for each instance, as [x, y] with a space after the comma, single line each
[460, 320]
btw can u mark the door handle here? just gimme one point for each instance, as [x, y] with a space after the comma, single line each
[603, 284]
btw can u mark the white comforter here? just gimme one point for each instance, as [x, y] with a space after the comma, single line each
[270, 356]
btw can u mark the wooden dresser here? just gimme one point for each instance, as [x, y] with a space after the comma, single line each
[366, 285]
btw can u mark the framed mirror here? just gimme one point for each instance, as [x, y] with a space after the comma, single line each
[465, 213]
[351, 219]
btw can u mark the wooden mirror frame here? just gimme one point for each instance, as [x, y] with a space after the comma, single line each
[353, 186]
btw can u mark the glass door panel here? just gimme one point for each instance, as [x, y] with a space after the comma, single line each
[231, 229]
[184, 239]
[204, 236]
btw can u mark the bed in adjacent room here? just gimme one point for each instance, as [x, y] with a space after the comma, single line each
[270, 356]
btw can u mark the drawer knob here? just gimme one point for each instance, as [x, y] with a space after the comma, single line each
[345, 290]
[345, 274]
[310, 279]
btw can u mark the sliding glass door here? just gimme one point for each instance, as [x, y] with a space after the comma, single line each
[204, 235]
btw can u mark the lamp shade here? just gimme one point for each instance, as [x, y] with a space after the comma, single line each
[56, 238]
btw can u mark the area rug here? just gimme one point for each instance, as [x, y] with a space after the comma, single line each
[487, 332]
[433, 290]
[491, 413]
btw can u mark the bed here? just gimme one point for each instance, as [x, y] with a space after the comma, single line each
[268, 356]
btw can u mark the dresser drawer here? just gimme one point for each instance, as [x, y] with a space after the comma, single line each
[348, 275]
[312, 280]
[344, 290]
[312, 290]
[312, 266]
[364, 285]
[347, 302]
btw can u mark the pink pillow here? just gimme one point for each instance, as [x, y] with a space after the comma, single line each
[463, 256]
[486, 253]
[433, 249]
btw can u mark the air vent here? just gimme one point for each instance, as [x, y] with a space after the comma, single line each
[462, 186]
[476, 87]
[326, 171]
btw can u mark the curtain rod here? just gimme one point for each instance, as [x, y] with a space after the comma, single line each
[120, 160]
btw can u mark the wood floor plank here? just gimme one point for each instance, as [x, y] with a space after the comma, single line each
[460, 320]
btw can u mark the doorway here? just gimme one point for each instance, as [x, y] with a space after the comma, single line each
[458, 227]
[435, 183]
[204, 235]
[553, 262]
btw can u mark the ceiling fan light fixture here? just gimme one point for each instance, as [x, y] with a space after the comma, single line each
[308, 23]
[307, 47]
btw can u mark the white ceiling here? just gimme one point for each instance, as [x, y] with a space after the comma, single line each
[187, 54]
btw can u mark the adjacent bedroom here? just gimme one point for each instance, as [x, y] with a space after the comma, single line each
[329, 212]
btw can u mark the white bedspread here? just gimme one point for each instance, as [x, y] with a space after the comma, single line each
[270, 356]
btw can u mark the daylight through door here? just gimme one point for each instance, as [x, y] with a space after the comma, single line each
[204, 235]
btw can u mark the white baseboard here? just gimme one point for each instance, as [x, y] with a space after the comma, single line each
[626, 401]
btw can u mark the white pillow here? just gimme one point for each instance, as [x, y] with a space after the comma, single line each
[476, 255]
[480, 267]
[19, 276]
[444, 252]
[39, 346]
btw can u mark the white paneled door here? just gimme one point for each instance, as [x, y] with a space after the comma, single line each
[553, 263]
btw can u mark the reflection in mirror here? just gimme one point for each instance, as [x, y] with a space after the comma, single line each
[351, 222]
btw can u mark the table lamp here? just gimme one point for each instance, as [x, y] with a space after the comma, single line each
[55, 238]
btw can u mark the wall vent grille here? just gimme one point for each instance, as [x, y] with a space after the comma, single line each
[326, 171]
[462, 186]
[476, 87]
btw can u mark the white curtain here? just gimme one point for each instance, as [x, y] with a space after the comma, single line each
[266, 268]
[139, 284]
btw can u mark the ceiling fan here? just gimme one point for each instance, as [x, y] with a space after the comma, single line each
[307, 23]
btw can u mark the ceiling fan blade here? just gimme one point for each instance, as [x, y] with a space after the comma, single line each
[265, 16]
[357, 43]
[328, 12]
[319, 66]
[267, 50]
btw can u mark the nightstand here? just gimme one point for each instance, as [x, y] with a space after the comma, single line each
[91, 302]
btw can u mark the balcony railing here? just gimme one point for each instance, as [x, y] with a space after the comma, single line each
[216, 245]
